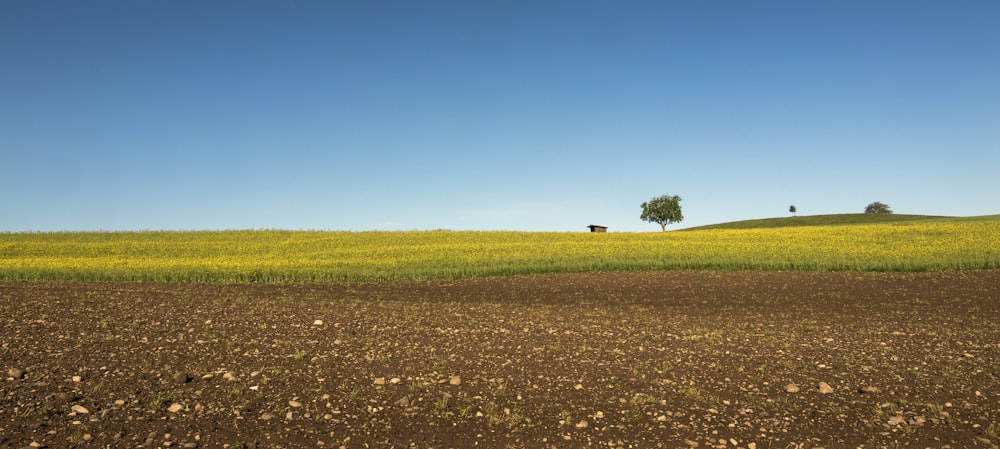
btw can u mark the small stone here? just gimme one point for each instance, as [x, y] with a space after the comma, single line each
[792, 388]
[379, 381]
[395, 380]
[79, 409]
[77, 379]
[181, 378]
[598, 415]
[867, 389]
[119, 402]
[87, 437]
[16, 373]
[896, 420]
[825, 388]
[578, 387]
[691, 443]
[229, 376]
[266, 416]
[582, 425]
[175, 407]
[294, 404]
[455, 380]
[318, 323]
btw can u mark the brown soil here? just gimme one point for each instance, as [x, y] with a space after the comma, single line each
[661, 359]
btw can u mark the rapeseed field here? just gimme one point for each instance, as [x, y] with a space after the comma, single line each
[327, 256]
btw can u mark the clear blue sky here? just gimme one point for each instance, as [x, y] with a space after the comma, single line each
[507, 115]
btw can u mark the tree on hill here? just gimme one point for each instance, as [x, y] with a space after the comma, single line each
[878, 208]
[663, 210]
[792, 209]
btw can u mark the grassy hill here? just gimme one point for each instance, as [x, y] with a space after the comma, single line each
[829, 220]
[817, 243]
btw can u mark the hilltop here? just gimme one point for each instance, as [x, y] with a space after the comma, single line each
[829, 220]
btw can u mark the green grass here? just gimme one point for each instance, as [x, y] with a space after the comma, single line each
[832, 220]
[816, 243]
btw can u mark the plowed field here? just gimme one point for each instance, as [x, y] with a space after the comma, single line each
[673, 359]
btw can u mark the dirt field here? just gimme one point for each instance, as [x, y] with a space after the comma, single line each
[663, 359]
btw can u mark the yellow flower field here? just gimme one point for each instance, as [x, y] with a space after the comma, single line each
[295, 256]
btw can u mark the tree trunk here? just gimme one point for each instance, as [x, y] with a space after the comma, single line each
[664, 226]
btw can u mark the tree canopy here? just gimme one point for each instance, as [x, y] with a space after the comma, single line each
[878, 208]
[663, 210]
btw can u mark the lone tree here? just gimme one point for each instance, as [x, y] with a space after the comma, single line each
[792, 209]
[878, 208]
[662, 210]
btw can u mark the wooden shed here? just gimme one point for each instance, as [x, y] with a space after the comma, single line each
[598, 228]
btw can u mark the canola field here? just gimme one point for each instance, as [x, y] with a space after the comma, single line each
[333, 256]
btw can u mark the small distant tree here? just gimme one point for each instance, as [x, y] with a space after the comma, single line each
[878, 208]
[792, 209]
[662, 210]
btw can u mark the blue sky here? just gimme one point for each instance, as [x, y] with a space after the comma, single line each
[512, 115]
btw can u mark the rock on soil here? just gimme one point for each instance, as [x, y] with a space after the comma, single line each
[680, 359]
